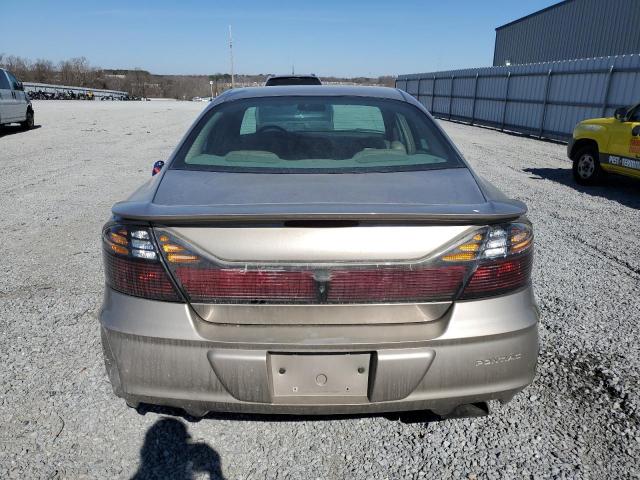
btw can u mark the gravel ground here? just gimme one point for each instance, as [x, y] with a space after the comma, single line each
[59, 418]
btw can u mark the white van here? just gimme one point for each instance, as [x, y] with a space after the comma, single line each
[15, 106]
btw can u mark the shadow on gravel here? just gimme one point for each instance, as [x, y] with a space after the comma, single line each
[623, 190]
[168, 453]
[421, 416]
[13, 129]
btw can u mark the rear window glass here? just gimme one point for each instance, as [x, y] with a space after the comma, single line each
[358, 117]
[315, 134]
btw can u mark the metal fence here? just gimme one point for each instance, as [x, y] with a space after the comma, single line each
[49, 88]
[543, 99]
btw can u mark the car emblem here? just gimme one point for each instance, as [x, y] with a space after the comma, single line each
[322, 281]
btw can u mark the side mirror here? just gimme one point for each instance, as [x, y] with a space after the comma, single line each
[157, 167]
[620, 114]
[636, 131]
[20, 87]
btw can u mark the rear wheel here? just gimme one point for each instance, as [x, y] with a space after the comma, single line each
[586, 166]
[29, 122]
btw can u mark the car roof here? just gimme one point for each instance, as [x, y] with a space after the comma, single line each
[311, 90]
[302, 75]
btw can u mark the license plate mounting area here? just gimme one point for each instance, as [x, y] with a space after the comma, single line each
[312, 378]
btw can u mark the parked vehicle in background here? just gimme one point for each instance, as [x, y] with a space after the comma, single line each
[281, 80]
[606, 145]
[15, 105]
[318, 250]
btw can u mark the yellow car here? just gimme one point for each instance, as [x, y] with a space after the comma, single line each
[601, 145]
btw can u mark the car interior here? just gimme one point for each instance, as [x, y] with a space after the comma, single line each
[305, 131]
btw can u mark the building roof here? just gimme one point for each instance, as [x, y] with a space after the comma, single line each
[550, 7]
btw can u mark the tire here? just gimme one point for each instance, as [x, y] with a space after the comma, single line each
[586, 167]
[29, 122]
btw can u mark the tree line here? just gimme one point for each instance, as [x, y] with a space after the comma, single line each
[78, 72]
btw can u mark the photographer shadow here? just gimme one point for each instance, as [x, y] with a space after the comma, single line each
[168, 452]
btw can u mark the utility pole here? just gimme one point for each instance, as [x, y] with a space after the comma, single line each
[233, 79]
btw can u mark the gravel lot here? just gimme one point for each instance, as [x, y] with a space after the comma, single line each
[60, 419]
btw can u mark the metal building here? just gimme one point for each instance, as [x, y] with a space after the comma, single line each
[569, 30]
[540, 99]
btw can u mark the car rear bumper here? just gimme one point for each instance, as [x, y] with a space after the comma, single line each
[163, 353]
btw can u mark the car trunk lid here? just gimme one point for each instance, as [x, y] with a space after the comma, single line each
[436, 196]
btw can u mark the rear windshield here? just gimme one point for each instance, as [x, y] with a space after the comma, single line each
[315, 134]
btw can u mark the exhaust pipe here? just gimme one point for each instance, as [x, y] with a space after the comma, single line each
[467, 410]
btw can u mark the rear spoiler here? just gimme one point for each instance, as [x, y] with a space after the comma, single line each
[481, 214]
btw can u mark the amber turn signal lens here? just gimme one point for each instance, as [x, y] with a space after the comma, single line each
[172, 248]
[118, 238]
[518, 237]
[518, 247]
[119, 249]
[182, 258]
[457, 257]
[467, 251]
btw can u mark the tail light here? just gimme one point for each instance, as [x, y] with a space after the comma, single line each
[490, 261]
[503, 264]
[133, 266]
[392, 284]
[237, 285]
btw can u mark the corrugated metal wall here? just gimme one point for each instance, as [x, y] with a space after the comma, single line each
[543, 99]
[572, 29]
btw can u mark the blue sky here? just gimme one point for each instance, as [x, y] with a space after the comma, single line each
[327, 37]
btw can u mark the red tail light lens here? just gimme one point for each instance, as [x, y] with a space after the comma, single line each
[234, 285]
[132, 265]
[490, 261]
[395, 284]
[138, 278]
[498, 277]
[342, 286]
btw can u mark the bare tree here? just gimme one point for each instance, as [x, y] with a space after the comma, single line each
[66, 72]
[42, 71]
[19, 66]
[78, 72]
[139, 79]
